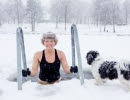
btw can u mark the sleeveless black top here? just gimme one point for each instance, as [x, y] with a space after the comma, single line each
[49, 72]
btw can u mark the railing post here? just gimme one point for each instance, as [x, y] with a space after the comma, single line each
[23, 48]
[20, 53]
[76, 43]
[19, 73]
[73, 48]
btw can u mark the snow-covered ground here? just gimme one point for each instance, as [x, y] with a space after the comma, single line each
[110, 46]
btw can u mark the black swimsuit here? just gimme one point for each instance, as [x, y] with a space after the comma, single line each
[49, 72]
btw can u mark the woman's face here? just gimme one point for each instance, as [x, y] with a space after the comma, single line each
[49, 43]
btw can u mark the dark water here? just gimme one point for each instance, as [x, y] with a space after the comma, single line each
[64, 76]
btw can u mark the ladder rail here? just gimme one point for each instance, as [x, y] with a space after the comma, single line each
[20, 53]
[76, 44]
[23, 49]
[73, 49]
[19, 67]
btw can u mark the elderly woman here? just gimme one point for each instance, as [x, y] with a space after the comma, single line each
[49, 61]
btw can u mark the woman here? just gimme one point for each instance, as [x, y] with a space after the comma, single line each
[49, 61]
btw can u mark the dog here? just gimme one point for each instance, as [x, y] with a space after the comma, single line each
[103, 70]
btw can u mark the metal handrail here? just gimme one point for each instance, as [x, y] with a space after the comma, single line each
[75, 43]
[20, 53]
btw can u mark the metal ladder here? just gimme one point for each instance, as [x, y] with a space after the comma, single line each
[21, 52]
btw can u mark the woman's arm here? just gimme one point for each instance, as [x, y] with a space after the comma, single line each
[34, 69]
[64, 63]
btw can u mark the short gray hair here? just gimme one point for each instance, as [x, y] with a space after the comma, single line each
[49, 35]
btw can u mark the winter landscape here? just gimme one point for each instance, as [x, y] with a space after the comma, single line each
[97, 29]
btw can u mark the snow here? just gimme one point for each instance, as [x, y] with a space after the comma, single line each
[110, 46]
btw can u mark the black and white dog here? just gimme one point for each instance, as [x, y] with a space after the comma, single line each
[103, 70]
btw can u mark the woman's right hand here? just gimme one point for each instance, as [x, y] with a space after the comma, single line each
[73, 69]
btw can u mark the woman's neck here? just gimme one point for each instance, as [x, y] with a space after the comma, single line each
[50, 51]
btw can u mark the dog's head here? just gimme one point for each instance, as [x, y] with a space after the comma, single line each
[91, 56]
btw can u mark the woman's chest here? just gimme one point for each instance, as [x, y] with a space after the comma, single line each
[50, 58]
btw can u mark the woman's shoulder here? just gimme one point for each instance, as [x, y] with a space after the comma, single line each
[60, 52]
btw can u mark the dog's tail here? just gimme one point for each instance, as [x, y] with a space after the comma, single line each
[125, 69]
[124, 65]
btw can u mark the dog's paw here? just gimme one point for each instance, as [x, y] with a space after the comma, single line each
[99, 81]
[104, 81]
